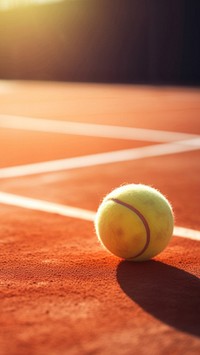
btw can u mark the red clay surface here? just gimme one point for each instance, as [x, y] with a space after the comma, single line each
[174, 109]
[60, 292]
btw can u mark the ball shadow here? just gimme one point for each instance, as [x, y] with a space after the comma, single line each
[169, 294]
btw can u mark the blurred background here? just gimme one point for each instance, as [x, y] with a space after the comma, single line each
[120, 41]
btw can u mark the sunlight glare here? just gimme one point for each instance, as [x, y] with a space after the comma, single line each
[9, 4]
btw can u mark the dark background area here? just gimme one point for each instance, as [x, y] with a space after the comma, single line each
[125, 41]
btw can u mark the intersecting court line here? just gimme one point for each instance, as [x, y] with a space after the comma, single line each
[89, 129]
[185, 142]
[181, 143]
[73, 212]
[101, 158]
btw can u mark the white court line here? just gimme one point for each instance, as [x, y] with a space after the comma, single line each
[187, 233]
[68, 211]
[101, 158]
[89, 129]
[45, 206]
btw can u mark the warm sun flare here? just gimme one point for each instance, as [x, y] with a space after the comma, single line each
[8, 4]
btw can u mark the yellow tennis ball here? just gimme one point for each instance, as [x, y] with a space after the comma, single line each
[134, 222]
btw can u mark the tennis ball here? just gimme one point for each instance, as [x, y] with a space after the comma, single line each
[134, 222]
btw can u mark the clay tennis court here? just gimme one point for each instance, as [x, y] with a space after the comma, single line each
[63, 147]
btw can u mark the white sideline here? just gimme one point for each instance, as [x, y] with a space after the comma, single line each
[101, 158]
[187, 233]
[68, 211]
[45, 206]
[90, 129]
